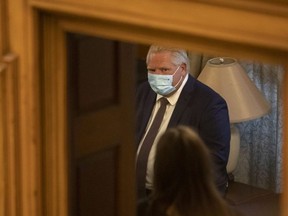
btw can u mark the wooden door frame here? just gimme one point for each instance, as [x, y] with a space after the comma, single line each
[184, 24]
[54, 146]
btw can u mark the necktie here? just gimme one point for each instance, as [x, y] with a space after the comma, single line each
[142, 159]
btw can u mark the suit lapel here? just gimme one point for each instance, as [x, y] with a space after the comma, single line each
[148, 106]
[146, 109]
[182, 102]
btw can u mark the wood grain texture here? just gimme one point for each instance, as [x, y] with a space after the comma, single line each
[254, 29]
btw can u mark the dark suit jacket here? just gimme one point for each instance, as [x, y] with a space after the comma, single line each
[200, 108]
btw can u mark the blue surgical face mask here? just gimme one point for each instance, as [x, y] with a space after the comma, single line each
[162, 84]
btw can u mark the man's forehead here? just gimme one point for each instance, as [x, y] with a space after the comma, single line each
[160, 58]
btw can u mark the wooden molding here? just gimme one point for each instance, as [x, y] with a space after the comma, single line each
[54, 152]
[198, 27]
[214, 28]
[3, 176]
[4, 39]
[9, 132]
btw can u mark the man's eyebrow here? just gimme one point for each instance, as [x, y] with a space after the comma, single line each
[158, 68]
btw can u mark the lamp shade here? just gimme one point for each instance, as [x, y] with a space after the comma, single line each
[228, 78]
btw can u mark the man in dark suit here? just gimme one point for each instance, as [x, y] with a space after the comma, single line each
[191, 103]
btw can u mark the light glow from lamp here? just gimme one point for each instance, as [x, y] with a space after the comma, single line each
[245, 102]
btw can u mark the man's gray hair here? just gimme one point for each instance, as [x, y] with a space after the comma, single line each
[179, 56]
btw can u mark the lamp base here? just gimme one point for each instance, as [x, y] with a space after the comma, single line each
[234, 150]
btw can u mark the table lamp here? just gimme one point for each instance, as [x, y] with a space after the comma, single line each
[245, 102]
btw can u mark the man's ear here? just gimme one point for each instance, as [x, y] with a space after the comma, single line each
[184, 69]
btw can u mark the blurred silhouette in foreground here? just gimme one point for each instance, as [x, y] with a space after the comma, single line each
[183, 179]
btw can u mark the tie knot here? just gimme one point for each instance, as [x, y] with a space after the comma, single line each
[163, 101]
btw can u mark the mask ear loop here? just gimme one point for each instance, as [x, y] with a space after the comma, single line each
[175, 71]
[178, 82]
[179, 79]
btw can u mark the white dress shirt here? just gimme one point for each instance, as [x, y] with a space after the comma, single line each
[169, 110]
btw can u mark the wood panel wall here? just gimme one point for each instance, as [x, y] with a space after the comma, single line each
[19, 190]
[9, 124]
[250, 29]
